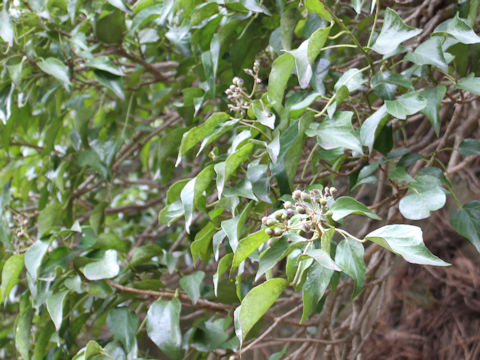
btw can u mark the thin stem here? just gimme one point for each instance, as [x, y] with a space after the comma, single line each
[377, 9]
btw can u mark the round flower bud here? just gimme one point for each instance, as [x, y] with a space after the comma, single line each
[323, 201]
[306, 227]
[297, 195]
[271, 222]
[269, 231]
[327, 190]
[288, 205]
[269, 242]
[290, 213]
[278, 214]
[329, 213]
[305, 197]
[300, 209]
[333, 190]
[278, 231]
[264, 220]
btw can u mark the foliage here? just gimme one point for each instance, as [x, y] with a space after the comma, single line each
[170, 168]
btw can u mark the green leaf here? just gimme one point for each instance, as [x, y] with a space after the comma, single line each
[192, 284]
[41, 341]
[346, 205]
[394, 31]
[406, 241]
[233, 227]
[317, 7]
[247, 246]
[163, 326]
[429, 52]
[322, 258]
[57, 69]
[222, 268]
[105, 268]
[6, 27]
[317, 281]
[11, 271]
[469, 147]
[270, 257]
[97, 218]
[471, 84]
[434, 97]
[407, 104]
[339, 132]
[119, 4]
[277, 82]
[171, 213]
[306, 54]
[256, 303]
[458, 29]
[372, 126]
[426, 195]
[105, 64]
[197, 134]
[22, 328]
[34, 256]
[49, 219]
[187, 196]
[201, 245]
[112, 82]
[352, 79]
[123, 324]
[466, 222]
[55, 307]
[110, 27]
[349, 256]
[231, 165]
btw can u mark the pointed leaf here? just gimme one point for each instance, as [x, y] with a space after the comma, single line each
[317, 281]
[55, 307]
[56, 68]
[407, 104]
[466, 222]
[458, 29]
[469, 147]
[281, 69]
[123, 324]
[406, 241]
[394, 31]
[247, 246]
[34, 257]
[349, 256]
[346, 205]
[256, 303]
[322, 258]
[426, 195]
[11, 271]
[434, 99]
[371, 127]
[105, 64]
[192, 284]
[471, 84]
[163, 326]
[105, 268]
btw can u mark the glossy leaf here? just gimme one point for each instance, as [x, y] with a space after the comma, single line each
[281, 69]
[256, 303]
[192, 284]
[163, 326]
[465, 222]
[34, 256]
[55, 68]
[346, 205]
[406, 241]
[429, 52]
[371, 127]
[105, 268]
[349, 257]
[123, 324]
[394, 31]
[10, 273]
[407, 104]
[425, 195]
[434, 97]
[469, 147]
[458, 29]
[55, 304]
[6, 27]
[247, 246]
[321, 257]
[316, 283]
[471, 84]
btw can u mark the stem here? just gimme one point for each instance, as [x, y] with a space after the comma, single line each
[354, 38]
[377, 9]
[346, 234]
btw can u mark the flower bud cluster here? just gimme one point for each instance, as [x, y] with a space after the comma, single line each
[254, 72]
[236, 94]
[307, 214]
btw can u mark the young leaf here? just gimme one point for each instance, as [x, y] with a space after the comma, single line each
[123, 324]
[349, 256]
[317, 7]
[163, 326]
[317, 281]
[346, 205]
[406, 241]
[247, 246]
[105, 268]
[466, 222]
[55, 307]
[405, 105]
[426, 195]
[256, 303]
[394, 32]
[192, 284]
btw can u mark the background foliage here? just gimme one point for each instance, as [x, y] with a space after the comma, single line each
[177, 175]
